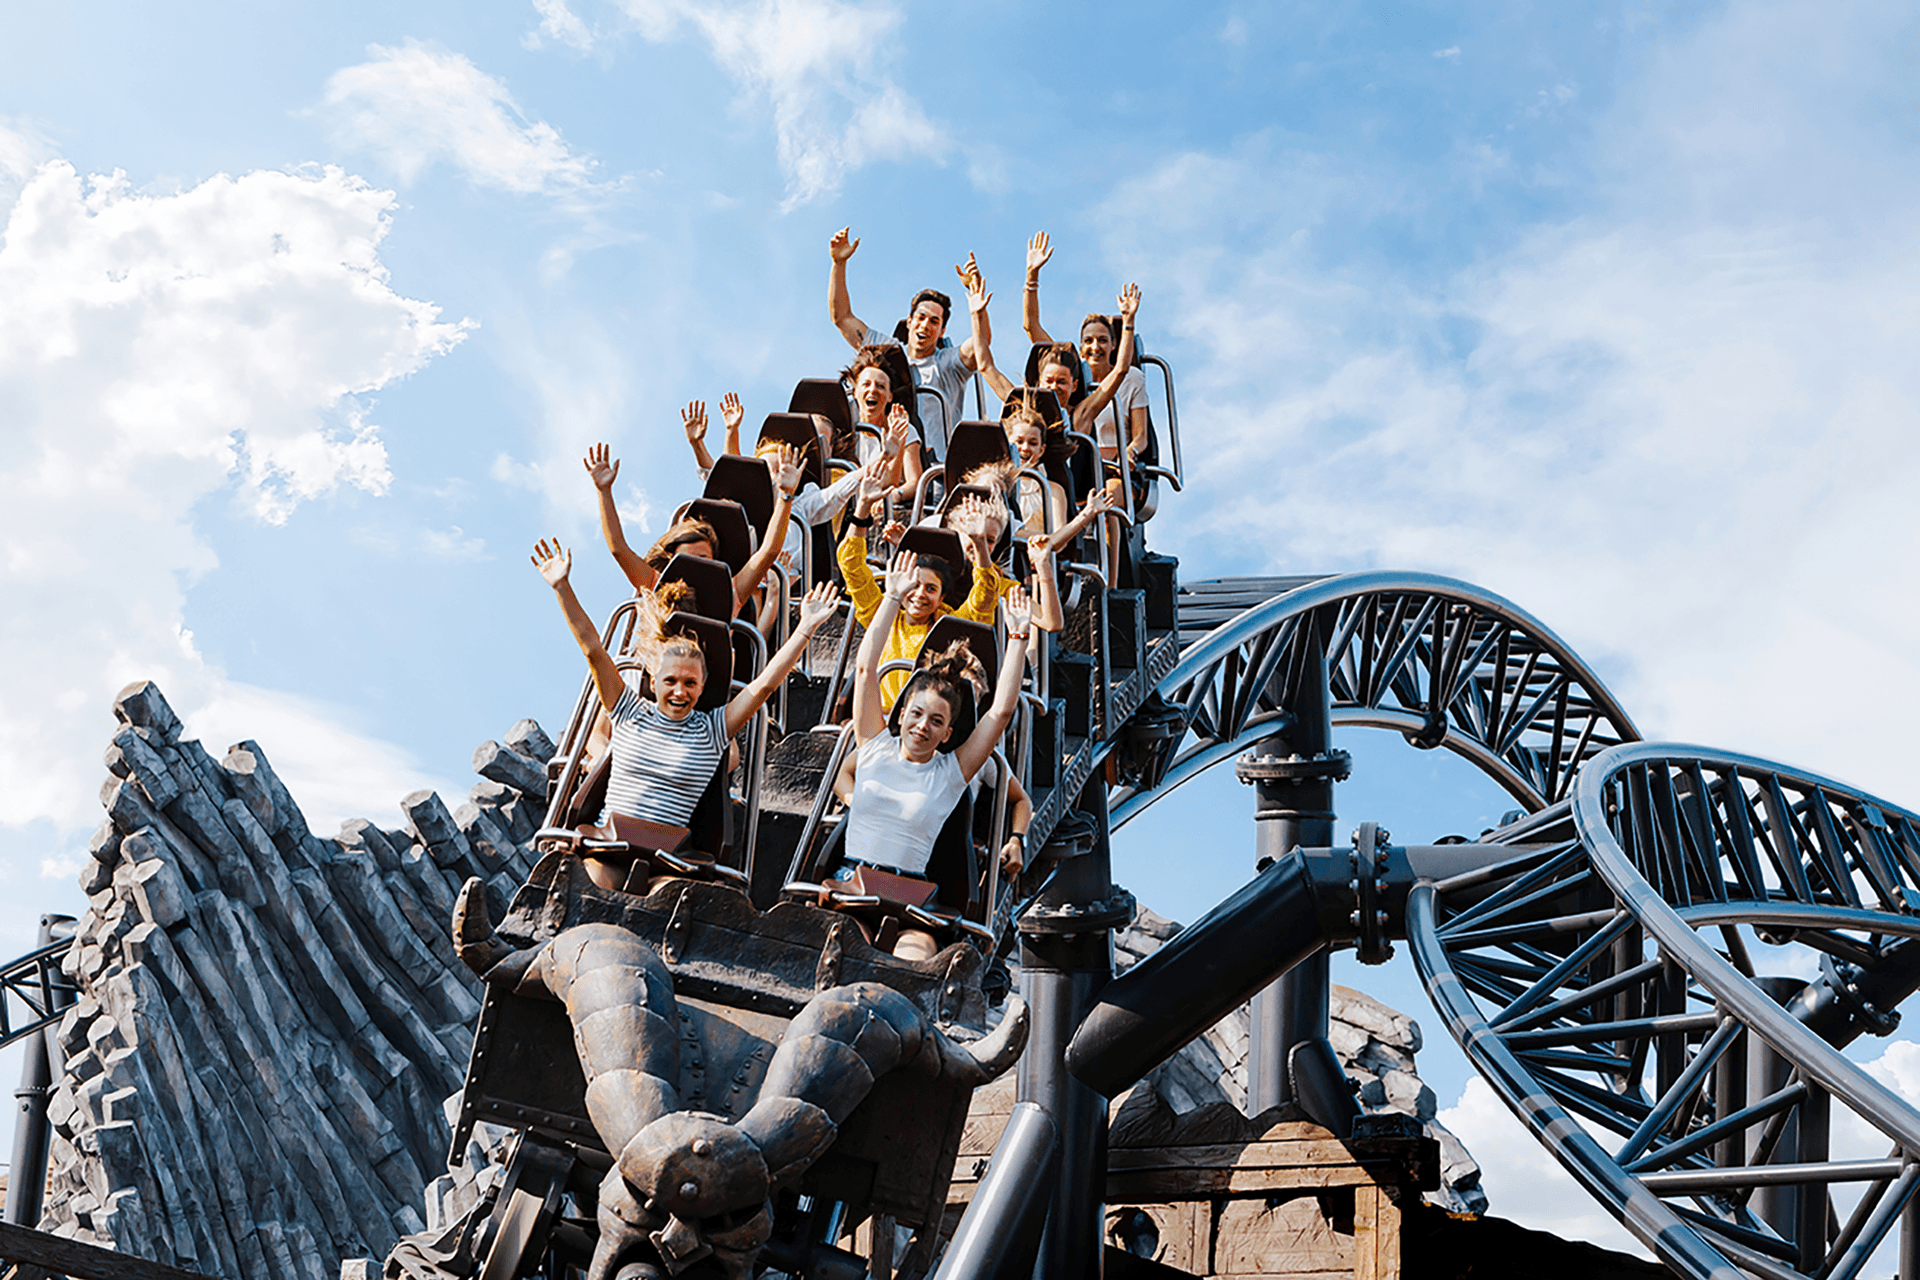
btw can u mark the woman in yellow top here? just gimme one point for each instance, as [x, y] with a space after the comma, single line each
[924, 603]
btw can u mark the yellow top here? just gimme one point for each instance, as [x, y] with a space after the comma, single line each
[905, 639]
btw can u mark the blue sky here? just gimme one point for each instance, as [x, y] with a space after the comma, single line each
[308, 312]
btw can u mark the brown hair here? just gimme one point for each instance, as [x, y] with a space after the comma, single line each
[871, 356]
[1110, 323]
[653, 642]
[686, 531]
[1001, 477]
[953, 674]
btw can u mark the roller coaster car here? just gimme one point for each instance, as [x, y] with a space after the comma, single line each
[739, 978]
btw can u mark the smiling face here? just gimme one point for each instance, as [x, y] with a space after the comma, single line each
[925, 722]
[922, 598]
[1096, 346]
[1060, 380]
[924, 327]
[1029, 440]
[677, 685]
[873, 393]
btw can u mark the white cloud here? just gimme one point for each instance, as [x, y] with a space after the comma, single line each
[819, 67]
[1679, 427]
[1523, 1182]
[156, 351]
[419, 105]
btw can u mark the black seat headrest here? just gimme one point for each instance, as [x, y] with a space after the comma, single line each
[730, 525]
[828, 398]
[711, 581]
[929, 540]
[747, 481]
[795, 429]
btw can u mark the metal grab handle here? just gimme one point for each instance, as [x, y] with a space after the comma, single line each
[821, 798]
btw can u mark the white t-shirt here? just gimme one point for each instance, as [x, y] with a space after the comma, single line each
[944, 372]
[899, 807]
[661, 766]
[1108, 429]
[814, 505]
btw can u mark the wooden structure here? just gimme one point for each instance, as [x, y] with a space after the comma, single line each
[1213, 1193]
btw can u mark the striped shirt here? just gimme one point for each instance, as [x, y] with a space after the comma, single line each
[660, 766]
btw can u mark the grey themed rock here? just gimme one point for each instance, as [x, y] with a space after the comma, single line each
[492, 847]
[247, 776]
[358, 833]
[529, 739]
[503, 764]
[144, 705]
[160, 892]
[129, 756]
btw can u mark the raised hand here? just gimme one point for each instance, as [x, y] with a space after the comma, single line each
[900, 575]
[1101, 501]
[1040, 551]
[873, 486]
[601, 466]
[1017, 608]
[968, 271]
[818, 605]
[899, 431]
[1129, 301]
[1039, 250]
[977, 295]
[730, 411]
[694, 419]
[786, 466]
[843, 244]
[894, 531]
[969, 518]
[553, 561]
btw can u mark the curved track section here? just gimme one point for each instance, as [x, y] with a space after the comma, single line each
[1611, 983]
[1444, 662]
[34, 992]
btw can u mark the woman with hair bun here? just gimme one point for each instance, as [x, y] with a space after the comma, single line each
[909, 772]
[666, 751]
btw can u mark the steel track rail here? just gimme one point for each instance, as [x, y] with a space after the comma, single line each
[1442, 661]
[1622, 1041]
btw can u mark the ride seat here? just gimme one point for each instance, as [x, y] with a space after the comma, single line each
[974, 444]
[711, 581]
[828, 398]
[747, 481]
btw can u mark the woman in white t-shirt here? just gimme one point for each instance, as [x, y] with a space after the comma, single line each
[909, 773]
[1101, 337]
[665, 751]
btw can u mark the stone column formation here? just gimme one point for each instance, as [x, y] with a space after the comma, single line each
[268, 1019]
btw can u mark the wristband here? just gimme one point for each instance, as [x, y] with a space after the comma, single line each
[1016, 635]
[860, 522]
[1021, 836]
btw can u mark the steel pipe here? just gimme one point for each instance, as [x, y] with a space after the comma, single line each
[999, 1233]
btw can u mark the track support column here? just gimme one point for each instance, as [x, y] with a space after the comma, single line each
[1066, 959]
[1293, 782]
[27, 1176]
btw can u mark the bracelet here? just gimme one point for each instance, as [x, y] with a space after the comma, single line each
[1021, 836]
[1016, 635]
[860, 522]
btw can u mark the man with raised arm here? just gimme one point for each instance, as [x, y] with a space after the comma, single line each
[945, 369]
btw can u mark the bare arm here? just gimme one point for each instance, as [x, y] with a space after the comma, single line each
[1013, 854]
[1102, 395]
[555, 564]
[732, 414]
[603, 469]
[997, 382]
[978, 748]
[839, 304]
[694, 419]
[1098, 503]
[1039, 250]
[815, 608]
[869, 720]
[1047, 613]
[786, 480]
[973, 283]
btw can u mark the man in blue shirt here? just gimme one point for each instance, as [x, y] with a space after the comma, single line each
[936, 364]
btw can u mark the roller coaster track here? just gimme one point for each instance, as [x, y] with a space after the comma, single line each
[1583, 980]
[1445, 663]
[1610, 979]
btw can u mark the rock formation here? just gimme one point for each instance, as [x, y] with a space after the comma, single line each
[269, 1020]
